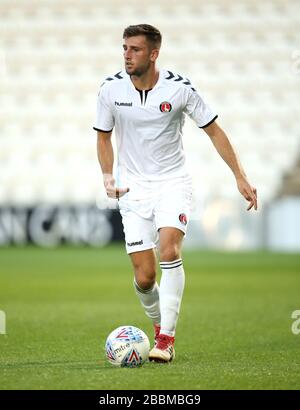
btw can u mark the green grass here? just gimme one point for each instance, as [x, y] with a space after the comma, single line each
[234, 331]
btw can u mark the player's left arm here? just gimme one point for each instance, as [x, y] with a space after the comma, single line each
[227, 152]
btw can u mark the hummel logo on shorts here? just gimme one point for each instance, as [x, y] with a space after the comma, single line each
[135, 243]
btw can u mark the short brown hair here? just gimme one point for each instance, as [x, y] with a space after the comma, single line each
[151, 33]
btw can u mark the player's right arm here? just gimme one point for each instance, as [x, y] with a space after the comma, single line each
[105, 154]
[104, 125]
[105, 151]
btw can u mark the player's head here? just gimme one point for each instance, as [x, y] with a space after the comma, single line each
[141, 48]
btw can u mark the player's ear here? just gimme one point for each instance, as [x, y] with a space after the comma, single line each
[154, 54]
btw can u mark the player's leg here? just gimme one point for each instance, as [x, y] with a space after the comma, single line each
[170, 243]
[171, 291]
[172, 278]
[140, 237]
[146, 287]
[171, 217]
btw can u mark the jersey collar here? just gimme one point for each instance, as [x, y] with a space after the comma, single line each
[160, 78]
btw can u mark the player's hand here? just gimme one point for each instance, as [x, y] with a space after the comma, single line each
[248, 192]
[111, 190]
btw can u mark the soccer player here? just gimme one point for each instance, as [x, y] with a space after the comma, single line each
[147, 107]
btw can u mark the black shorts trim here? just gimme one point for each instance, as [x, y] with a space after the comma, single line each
[210, 122]
[97, 129]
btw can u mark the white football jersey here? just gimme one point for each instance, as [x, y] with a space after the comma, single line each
[148, 124]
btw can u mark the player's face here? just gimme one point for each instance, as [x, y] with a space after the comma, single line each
[138, 55]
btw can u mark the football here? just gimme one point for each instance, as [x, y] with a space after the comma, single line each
[127, 346]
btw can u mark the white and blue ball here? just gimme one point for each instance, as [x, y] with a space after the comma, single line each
[127, 346]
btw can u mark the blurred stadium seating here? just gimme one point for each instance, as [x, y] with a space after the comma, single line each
[242, 56]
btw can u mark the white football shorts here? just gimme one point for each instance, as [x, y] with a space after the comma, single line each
[152, 205]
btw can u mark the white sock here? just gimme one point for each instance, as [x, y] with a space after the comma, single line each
[171, 290]
[149, 299]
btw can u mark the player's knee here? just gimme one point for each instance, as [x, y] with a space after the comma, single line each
[145, 277]
[170, 253]
[145, 282]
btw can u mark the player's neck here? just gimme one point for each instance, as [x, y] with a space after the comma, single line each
[146, 81]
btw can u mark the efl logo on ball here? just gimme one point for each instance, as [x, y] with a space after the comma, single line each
[127, 346]
[165, 106]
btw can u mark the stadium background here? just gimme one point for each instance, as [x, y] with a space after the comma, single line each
[244, 57]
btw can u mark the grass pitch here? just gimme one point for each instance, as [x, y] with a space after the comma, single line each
[234, 330]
